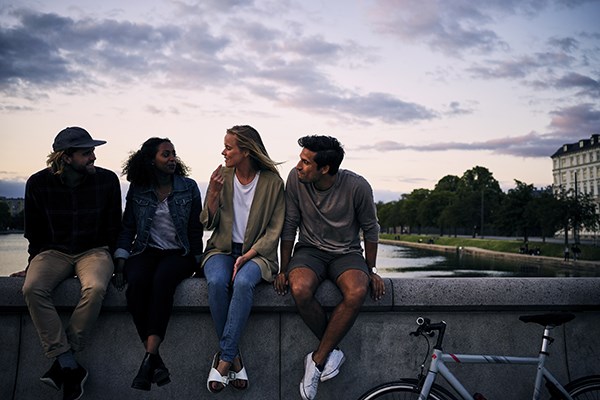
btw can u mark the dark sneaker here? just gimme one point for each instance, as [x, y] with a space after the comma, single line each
[143, 379]
[54, 376]
[161, 373]
[74, 380]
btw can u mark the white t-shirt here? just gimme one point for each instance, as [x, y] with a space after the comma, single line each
[242, 201]
[163, 234]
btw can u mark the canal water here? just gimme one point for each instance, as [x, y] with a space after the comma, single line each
[392, 261]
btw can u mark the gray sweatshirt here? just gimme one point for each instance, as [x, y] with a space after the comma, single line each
[331, 220]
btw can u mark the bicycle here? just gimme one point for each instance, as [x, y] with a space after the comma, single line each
[425, 388]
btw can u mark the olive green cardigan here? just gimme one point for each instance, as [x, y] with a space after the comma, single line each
[265, 222]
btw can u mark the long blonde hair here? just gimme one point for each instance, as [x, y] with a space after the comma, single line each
[55, 161]
[249, 139]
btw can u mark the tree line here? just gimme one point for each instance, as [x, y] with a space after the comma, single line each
[8, 221]
[475, 204]
[471, 204]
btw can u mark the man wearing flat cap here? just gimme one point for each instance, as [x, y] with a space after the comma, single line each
[72, 219]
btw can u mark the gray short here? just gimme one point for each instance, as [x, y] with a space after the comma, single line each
[324, 264]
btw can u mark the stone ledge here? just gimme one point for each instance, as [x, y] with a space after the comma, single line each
[401, 294]
[482, 315]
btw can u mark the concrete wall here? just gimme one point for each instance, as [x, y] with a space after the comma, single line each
[482, 316]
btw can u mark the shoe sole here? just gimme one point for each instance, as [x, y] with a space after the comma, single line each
[302, 394]
[141, 386]
[81, 386]
[334, 373]
[161, 379]
[50, 383]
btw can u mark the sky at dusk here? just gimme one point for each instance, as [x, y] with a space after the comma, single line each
[415, 90]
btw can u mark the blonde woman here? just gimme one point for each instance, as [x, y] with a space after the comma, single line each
[245, 209]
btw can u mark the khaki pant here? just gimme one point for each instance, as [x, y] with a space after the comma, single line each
[46, 271]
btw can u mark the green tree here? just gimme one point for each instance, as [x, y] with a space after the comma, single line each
[442, 203]
[411, 210]
[516, 214]
[389, 215]
[577, 211]
[479, 196]
[545, 208]
[5, 217]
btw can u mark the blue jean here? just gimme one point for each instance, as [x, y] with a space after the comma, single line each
[230, 306]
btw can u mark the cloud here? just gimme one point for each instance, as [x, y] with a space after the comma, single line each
[521, 67]
[456, 27]
[566, 44]
[46, 51]
[455, 108]
[12, 188]
[576, 121]
[588, 86]
[567, 125]
[448, 27]
[53, 51]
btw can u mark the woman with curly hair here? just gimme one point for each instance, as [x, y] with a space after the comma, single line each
[159, 246]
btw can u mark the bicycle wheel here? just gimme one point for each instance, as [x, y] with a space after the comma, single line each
[405, 390]
[586, 388]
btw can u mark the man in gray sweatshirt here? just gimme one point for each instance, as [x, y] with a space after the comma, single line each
[330, 207]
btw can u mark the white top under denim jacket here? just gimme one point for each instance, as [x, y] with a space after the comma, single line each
[185, 206]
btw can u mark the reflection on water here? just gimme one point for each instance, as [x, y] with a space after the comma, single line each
[406, 262]
[392, 261]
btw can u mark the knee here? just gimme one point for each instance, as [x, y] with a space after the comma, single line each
[93, 291]
[301, 292]
[355, 296]
[218, 282]
[31, 291]
[240, 284]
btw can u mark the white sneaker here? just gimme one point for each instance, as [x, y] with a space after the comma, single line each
[310, 381]
[332, 366]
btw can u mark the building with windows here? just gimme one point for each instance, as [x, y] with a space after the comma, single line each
[576, 167]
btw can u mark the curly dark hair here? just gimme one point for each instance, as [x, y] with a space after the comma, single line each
[329, 151]
[139, 169]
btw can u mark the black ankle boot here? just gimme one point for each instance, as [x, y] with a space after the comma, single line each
[143, 379]
[161, 373]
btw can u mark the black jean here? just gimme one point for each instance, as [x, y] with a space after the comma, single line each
[152, 278]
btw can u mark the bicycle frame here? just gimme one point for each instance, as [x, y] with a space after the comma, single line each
[439, 360]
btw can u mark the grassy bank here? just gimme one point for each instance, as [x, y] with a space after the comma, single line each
[591, 253]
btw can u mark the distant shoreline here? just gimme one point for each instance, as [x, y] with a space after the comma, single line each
[474, 251]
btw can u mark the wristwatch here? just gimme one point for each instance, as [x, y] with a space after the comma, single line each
[374, 270]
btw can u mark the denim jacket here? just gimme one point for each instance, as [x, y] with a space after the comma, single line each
[185, 205]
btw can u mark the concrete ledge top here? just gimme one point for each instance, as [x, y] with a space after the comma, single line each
[401, 294]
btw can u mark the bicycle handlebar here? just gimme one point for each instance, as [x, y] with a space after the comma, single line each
[425, 327]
